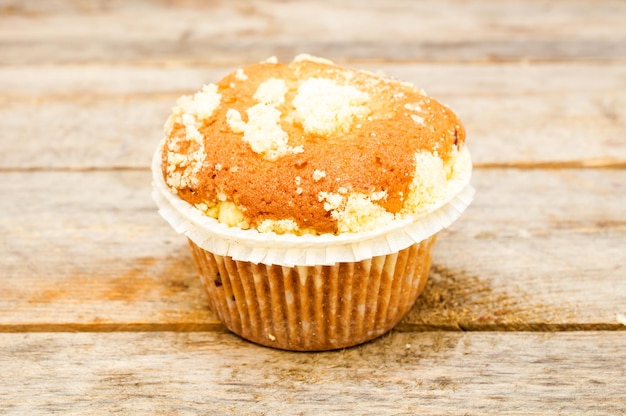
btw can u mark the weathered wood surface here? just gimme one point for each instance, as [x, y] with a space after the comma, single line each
[196, 31]
[101, 308]
[518, 115]
[539, 249]
[401, 374]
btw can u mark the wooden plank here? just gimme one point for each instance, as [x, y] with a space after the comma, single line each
[87, 251]
[537, 250]
[118, 81]
[401, 374]
[90, 248]
[519, 115]
[226, 32]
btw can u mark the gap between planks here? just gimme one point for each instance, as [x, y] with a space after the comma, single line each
[218, 327]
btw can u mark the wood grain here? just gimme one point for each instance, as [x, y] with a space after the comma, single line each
[516, 115]
[539, 250]
[401, 374]
[102, 311]
[226, 32]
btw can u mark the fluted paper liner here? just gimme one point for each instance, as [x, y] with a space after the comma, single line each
[311, 250]
[314, 308]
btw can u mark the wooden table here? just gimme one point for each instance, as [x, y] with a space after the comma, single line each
[101, 309]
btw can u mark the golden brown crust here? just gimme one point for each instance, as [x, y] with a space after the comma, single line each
[376, 153]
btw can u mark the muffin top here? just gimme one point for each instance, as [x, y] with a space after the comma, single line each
[310, 148]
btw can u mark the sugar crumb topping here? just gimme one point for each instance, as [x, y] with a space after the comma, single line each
[183, 167]
[361, 214]
[191, 128]
[210, 210]
[270, 60]
[429, 181]
[356, 212]
[278, 226]
[413, 107]
[419, 120]
[332, 201]
[231, 215]
[226, 212]
[202, 104]
[318, 174]
[240, 75]
[271, 92]
[324, 107]
[306, 57]
[234, 121]
[263, 131]
[378, 196]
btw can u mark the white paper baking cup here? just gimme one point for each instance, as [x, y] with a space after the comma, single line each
[309, 250]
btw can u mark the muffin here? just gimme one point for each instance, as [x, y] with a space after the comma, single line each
[311, 195]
